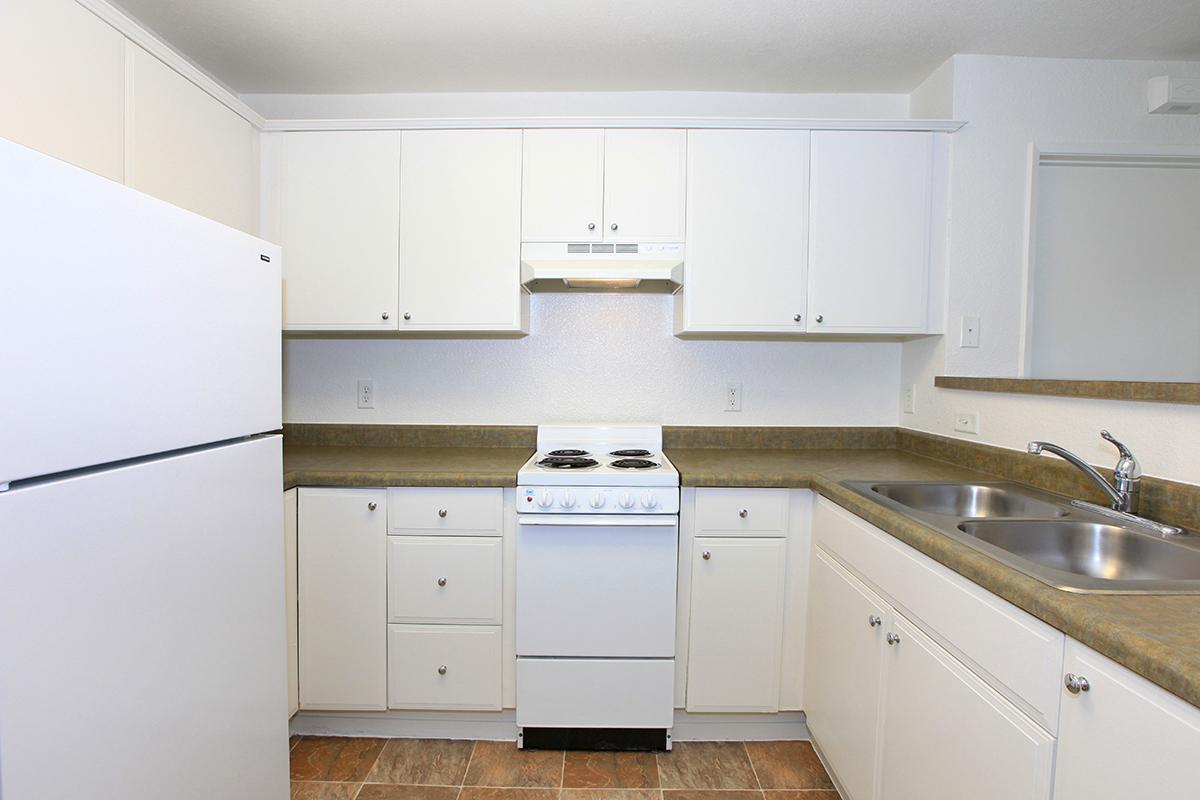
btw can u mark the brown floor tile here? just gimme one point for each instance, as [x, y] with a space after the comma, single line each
[610, 794]
[803, 794]
[706, 765]
[439, 762]
[712, 794]
[312, 790]
[787, 765]
[502, 764]
[609, 770]
[334, 758]
[482, 793]
[387, 791]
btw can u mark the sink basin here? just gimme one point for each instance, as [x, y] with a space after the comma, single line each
[1094, 550]
[971, 500]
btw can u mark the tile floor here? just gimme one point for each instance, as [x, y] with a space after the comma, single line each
[333, 768]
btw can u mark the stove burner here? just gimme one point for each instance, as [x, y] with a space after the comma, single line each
[633, 453]
[567, 462]
[634, 463]
[570, 453]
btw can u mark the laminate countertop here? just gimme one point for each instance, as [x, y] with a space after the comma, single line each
[328, 465]
[1156, 636]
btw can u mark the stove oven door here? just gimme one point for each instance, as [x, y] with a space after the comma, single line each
[596, 586]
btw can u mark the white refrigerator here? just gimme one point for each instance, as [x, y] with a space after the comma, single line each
[142, 634]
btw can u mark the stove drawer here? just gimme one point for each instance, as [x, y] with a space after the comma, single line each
[741, 512]
[444, 667]
[424, 509]
[595, 693]
[445, 579]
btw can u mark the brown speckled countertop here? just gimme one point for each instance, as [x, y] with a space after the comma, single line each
[1156, 636]
[325, 465]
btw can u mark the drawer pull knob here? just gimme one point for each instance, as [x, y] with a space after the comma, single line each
[1076, 683]
[874, 621]
[441, 581]
[372, 506]
[745, 512]
[706, 555]
[893, 638]
[442, 669]
[442, 513]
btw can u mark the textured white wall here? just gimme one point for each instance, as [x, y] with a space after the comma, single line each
[608, 357]
[1010, 103]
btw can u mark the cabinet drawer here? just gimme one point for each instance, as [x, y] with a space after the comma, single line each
[444, 579]
[478, 512]
[444, 667]
[1013, 651]
[745, 512]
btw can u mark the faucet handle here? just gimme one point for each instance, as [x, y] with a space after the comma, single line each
[1128, 466]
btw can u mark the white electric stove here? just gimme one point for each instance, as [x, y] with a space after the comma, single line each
[597, 556]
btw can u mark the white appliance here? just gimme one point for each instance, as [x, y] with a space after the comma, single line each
[591, 266]
[597, 556]
[142, 634]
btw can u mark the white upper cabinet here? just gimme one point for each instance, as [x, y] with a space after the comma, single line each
[603, 185]
[460, 231]
[562, 186]
[747, 238]
[339, 212]
[869, 231]
[644, 185]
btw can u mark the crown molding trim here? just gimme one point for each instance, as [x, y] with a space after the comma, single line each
[435, 123]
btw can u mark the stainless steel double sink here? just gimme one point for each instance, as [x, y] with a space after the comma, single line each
[1046, 537]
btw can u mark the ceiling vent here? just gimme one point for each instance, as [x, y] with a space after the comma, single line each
[1169, 95]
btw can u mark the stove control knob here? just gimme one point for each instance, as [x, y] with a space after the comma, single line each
[545, 499]
[626, 500]
[649, 500]
[596, 500]
[568, 500]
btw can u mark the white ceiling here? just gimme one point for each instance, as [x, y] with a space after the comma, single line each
[360, 46]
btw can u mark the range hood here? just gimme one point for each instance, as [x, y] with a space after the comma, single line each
[601, 267]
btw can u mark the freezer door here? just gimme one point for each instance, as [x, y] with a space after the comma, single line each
[127, 326]
[142, 637]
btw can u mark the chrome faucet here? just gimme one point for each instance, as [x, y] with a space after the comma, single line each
[1127, 474]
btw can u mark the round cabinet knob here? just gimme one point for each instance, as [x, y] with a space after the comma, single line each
[441, 581]
[442, 670]
[591, 226]
[442, 513]
[706, 555]
[893, 638]
[797, 317]
[612, 227]
[372, 506]
[649, 500]
[745, 512]
[385, 315]
[596, 500]
[626, 500]
[874, 621]
[568, 500]
[545, 500]
[1076, 683]
[820, 318]
[407, 315]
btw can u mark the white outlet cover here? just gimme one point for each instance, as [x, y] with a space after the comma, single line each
[967, 422]
[366, 394]
[733, 396]
[910, 399]
[970, 332]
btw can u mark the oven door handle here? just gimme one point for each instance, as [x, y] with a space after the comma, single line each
[582, 520]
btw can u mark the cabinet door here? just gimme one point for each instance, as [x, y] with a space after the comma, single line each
[948, 736]
[339, 218]
[290, 534]
[562, 185]
[736, 627]
[747, 221]
[843, 673]
[343, 599]
[444, 579]
[1124, 737]
[868, 256]
[460, 230]
[644, 185]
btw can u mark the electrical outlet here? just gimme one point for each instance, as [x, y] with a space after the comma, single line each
[910, 399]
[967, 422]
[970, 332]
[366, 394]
[733, 396]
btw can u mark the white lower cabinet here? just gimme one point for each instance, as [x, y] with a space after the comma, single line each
[947, 735]
[737, 605]
[453, 667]
[290, 536]
[1124, 737]
[342, 593]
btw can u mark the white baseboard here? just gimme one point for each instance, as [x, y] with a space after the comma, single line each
[502, 725]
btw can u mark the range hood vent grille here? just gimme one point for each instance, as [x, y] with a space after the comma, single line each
[583, 248]
[601, 266]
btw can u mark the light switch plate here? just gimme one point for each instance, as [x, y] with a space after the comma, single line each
[967, 422]
[970, 332]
